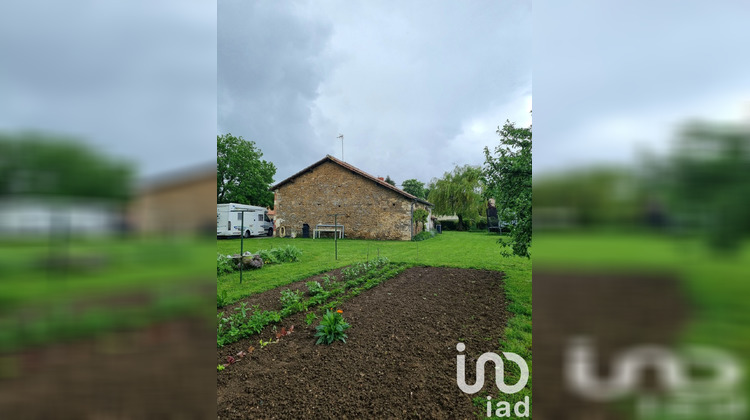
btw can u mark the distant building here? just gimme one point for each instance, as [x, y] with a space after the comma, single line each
[368, 207]
[176, 203]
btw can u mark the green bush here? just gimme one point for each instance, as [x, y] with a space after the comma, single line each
[288, 253]
[421, 236]
[268, 256]
[223, 264]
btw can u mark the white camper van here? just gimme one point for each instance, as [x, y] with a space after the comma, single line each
[229, 220]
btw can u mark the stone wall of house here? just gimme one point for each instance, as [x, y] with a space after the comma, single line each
[367, 210]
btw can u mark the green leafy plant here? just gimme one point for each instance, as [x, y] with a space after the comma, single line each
[286, 254]
[219, 368]
[290, 299]
[310, 318]
[223, 264]
[328, 281]
[332, 328]
[315, 288]
[264, 343]
[221, 299]
[421, 236]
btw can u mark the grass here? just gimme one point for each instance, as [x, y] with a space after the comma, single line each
[164, 277]
[716, 285]
[450, 249]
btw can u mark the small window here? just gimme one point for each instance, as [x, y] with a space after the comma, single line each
[239, 216]
[260, 217]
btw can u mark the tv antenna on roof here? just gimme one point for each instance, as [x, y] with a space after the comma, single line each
[341, 136]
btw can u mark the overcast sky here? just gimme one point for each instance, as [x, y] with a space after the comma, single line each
[136, 79]
[611, 78]
[415, 87]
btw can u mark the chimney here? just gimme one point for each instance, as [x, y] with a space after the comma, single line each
[381, 178]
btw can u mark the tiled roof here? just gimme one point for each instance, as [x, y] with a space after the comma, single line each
[357, 171]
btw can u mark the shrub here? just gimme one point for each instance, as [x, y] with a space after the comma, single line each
[223, 264]
[315, 288]
[421, 236]
[268, 256]
[288, 253]
[332, 328]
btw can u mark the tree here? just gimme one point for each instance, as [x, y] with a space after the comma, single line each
[415, 188]
[458, 193]
[389, 180]
[507, 175]
[706, 182]
[241, 175]
[49, 165]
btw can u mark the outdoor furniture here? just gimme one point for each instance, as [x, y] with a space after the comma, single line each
[336, 229]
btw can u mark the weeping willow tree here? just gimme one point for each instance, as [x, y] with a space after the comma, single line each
[458, 193]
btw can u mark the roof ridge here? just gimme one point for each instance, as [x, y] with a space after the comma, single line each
[355, 170]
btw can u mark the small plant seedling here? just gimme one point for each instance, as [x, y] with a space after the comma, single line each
[220, 368]
[310, 318]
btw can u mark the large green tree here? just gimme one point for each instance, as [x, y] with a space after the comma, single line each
[507, 175]
[458, 193]
[706, 182]
[415, 188]
[51, 165]
[241, 175]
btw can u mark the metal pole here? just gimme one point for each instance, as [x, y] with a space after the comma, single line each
[335, 236]
[242, 241]
[411, 225]
[341, 136]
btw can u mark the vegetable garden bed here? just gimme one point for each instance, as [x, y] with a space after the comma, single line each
[399, 359]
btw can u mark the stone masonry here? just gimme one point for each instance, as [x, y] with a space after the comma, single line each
[368, 209]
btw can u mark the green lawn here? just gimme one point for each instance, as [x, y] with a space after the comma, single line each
[154, 278]
[125, 265]
[450, 249]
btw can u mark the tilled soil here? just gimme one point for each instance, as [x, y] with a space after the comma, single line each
[399, 360]
[270, 299]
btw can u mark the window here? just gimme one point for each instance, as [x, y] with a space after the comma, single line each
[260, 217]
[239, 216]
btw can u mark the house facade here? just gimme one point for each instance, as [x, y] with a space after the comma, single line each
[177, 203]
[366, 206]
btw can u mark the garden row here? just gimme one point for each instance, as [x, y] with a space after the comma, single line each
[245, 322]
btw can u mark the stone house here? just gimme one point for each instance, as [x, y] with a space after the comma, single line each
[368, 207]
[181, 202]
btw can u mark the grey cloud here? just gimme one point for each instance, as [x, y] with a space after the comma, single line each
[400, 81]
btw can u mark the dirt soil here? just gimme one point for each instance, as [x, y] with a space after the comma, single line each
[270, 299]
[399, 360]
[159, 372]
